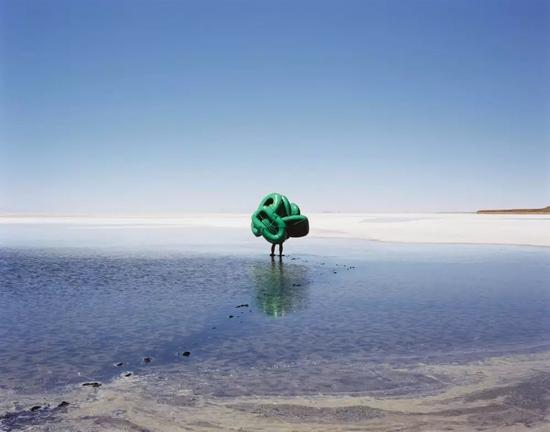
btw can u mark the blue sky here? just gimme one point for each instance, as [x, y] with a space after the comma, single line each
[135, 106]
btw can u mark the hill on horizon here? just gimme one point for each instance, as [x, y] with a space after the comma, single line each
[516, 211]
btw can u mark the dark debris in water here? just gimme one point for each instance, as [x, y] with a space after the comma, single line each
[242, 305]
[186, 353]
[94, 384]
[35, 415]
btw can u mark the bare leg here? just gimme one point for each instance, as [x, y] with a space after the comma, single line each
[272, 250]
[281, 249]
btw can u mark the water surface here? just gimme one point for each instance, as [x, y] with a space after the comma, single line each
[308, 323]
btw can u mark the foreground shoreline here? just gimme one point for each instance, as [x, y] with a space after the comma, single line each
[506, 393]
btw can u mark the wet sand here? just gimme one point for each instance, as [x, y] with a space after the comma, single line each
[507, 393]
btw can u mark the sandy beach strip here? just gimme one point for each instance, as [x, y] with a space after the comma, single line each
[470, 228]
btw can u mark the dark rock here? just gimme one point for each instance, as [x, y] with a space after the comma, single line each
[213, 328]
[8, 415]
[94, 384]
[335, 272]
[147, 360]
[35, 408]
[242, 305]
[119, 364]
[296, 284]
[128, 374]
[186, 353]
[230, 316]
[63, 404]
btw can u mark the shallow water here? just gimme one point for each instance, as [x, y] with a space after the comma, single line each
[69, 314]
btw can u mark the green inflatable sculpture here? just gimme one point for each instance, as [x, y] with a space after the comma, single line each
[277, 219]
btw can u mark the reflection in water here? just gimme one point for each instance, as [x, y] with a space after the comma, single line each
[280, 288]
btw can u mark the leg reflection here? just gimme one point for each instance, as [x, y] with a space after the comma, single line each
[280, 288]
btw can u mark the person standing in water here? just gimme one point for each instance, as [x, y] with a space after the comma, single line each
[277, 219]
[280, 249]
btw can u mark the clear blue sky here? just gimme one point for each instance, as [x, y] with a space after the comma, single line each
[112, 106]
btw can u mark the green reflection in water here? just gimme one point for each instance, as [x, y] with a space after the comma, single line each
[281, 288]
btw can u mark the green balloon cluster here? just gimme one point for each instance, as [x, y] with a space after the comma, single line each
[277, 219]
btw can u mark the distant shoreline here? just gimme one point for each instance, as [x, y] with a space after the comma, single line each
[545, 210]
[531, 229]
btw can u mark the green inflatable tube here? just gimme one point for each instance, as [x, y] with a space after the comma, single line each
[277, 219]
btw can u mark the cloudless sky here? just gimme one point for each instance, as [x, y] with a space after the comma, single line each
[112, 106]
